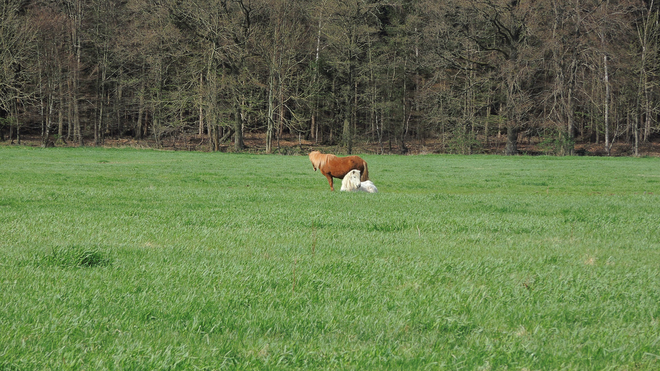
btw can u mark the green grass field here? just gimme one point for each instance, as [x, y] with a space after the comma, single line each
[150, 260]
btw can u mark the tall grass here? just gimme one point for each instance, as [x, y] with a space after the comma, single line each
[141, 260]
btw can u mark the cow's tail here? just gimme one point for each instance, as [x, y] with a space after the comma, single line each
[365, 174]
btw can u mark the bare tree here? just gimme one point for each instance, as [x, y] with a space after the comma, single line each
[648, 34]
[349, 29]
[51, 51]
[504, 28]
[282, 45]
[16, 51]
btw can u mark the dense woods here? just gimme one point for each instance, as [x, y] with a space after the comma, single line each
[462, 73]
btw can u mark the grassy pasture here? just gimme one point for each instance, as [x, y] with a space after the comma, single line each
[143, 260]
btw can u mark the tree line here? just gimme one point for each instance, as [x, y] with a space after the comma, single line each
[340, 72]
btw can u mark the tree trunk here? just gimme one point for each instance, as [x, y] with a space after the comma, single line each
[270, 124]
[636, 135]
[215, 137]
[69, 111]
[511, 140]
[201, 105]
[348, 141]
[99, 123]
[607, 109]
[238, 128]
[42, 108]
[138, 124]
[60, 114]
[648, 32]
[18, 124]
[77, 44]
[119, 105]
[315, 79]
[280, 118]
[487, 121]
[49, 119]
[569, 140]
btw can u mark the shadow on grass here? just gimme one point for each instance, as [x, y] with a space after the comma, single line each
[75, 257]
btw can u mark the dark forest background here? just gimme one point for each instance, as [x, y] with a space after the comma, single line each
[458, 74]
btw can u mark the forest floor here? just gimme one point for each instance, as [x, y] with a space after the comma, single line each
[289, 144]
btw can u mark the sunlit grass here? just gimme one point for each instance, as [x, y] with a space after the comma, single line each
[124, 259]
